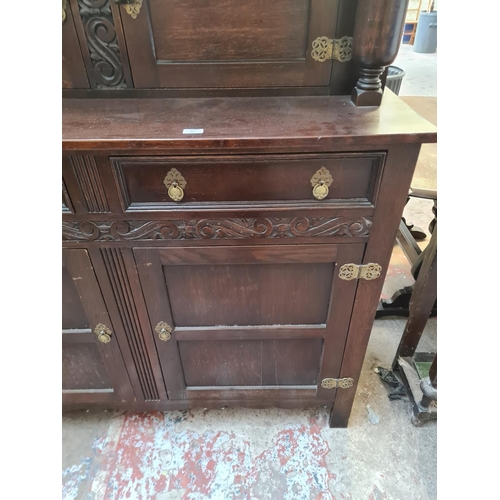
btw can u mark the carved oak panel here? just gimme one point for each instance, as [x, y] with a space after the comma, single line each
[106, 71]
[212, 229]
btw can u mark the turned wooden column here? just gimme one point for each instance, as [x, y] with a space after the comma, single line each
[377, 36]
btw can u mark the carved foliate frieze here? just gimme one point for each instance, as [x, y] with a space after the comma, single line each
[97, 19]
[212, 229]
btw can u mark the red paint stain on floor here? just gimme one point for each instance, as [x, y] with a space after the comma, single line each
[156, 458]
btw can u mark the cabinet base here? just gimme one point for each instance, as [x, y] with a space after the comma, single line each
[210, 404]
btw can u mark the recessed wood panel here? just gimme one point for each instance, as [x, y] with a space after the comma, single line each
[201, 30]
[73, 314]
[83, 368]
[251, 362]
[249, 294]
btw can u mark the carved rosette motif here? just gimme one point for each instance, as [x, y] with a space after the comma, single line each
[212, 229]
[103, 47]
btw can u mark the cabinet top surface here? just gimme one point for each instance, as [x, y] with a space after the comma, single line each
[228, 124]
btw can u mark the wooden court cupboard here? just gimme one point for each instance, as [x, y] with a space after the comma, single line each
[226, 227]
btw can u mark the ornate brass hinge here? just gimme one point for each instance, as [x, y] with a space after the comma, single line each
[132, 7]
[337, 383]
[360, 272]
[325, 49]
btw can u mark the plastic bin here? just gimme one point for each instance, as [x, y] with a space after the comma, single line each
[426, 34]
[394, 79]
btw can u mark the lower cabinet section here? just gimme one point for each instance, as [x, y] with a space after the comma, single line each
[247, 323]
[93, 370]
[238, 267]
[242, 325]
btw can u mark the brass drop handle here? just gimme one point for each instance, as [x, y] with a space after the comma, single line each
[103, 333]
[175, 184]
[164, 331]
[320, 182]
[175, 191]
[64, 5]
[320, 190]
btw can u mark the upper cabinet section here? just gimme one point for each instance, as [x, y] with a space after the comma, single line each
[225, 46]
[233, 43]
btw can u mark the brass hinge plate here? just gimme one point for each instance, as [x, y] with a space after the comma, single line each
[368, 272]
[337, 383]
[325, 49]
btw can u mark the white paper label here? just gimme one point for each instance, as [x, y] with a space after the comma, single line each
[193, 131]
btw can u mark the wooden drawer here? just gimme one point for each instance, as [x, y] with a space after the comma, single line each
[142, 181]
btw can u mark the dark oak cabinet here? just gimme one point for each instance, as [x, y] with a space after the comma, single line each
[229, 209]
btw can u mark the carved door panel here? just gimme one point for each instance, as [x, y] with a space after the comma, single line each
[74, 75]
[93, 370]
[237, 43]
[248, 322]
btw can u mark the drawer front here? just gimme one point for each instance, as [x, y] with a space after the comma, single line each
[143, 182]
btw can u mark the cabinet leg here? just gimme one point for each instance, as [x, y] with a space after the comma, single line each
[341, 410]
[337, 422]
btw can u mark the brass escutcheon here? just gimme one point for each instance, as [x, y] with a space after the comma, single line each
[175, 184]
[103, 333]
[320, 182]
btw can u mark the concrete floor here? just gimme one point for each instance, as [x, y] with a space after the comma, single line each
[270, 454]
[421, 72]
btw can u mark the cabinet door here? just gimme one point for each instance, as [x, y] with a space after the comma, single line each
[235, 43]
[92, 367]
[74, 75]
[265, 322]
